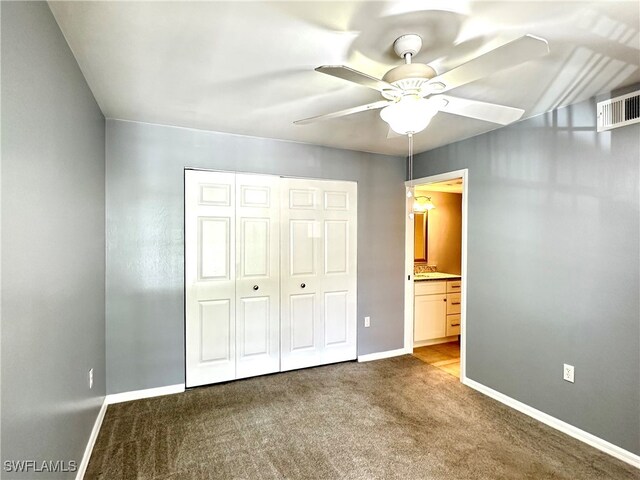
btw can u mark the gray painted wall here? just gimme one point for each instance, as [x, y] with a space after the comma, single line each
[53, 243]
[145, 313]
[553, 266]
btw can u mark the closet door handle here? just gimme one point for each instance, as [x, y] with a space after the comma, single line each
[302, 285]
[256, 287]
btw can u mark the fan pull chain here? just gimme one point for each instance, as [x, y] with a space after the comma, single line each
[410, 189]
[410, 192]
[410, 160]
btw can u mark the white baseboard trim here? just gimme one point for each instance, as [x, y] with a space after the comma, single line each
[118, 398]
[147, 393]
[586, 437]
[380, 355]
[82, 468]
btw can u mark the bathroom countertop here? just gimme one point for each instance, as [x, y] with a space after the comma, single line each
[422, 277]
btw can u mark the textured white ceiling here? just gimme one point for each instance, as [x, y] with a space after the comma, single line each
[446, 186]
[247, 67]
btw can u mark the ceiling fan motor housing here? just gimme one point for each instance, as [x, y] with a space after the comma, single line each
[411, 76]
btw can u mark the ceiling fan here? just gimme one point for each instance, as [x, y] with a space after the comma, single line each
[413, 92]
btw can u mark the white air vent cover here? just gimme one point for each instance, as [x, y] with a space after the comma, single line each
[619, 111]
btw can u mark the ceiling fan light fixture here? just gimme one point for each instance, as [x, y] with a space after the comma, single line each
[409, 115]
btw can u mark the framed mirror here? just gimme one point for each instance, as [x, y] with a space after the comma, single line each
[420, 236]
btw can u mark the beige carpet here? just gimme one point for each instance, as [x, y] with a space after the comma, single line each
[396, 418]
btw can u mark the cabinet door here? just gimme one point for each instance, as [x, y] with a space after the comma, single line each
[258, 275]
[430, 312]
[210, 277]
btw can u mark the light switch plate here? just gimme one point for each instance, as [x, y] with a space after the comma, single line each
[367, 322]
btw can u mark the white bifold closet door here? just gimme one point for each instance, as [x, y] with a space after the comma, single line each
[319, 282]
[257, 275]
[210, 277]
[232, 276]
[270, 274]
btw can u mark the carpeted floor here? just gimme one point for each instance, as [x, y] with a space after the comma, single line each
[394, 418]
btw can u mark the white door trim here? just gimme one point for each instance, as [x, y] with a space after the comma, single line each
[408, 249]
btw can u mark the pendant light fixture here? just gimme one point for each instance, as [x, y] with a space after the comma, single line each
[423, 204]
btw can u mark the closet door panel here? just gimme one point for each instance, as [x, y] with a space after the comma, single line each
[339, 281]
[209, 277]
[302, 312]
[336, 247]
[214, 248]
[319, 272]
[258, 274]
[336, 317]
[302, 248]
[255, 239]
[215, 330]
[253, 327]
[301, 251]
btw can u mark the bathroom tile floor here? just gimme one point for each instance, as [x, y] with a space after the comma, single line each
[445, 356]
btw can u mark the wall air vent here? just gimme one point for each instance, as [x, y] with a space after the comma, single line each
[619, 111]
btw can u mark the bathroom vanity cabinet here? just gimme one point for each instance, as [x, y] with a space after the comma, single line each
[436, 309]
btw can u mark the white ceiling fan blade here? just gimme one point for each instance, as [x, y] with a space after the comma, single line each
[508, 55]
[355, 76]
[342, 113]
[489, 112]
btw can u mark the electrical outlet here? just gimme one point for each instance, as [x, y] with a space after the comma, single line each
[568, 373]
[367, 322]
[91, 378]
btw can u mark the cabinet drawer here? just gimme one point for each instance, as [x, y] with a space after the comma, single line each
[453, 303]
[429, 288]
[454, 286]
[453, 325]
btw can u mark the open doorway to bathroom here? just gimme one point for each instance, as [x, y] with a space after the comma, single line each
[436, 271]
